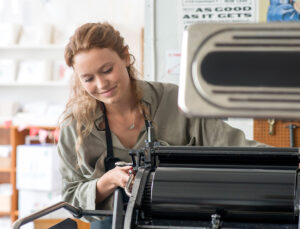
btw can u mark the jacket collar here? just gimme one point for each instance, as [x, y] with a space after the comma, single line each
[145, 87]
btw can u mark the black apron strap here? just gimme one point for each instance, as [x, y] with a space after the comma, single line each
[110, 152]
[110, 160]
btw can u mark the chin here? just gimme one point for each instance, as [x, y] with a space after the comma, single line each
[109, 100]
[114, 99]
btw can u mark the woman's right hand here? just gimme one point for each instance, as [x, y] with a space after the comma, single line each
[119, 175]
[112, 179]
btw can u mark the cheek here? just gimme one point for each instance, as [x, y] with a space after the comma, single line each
[124, 76]
[91, 89]
[87, 86]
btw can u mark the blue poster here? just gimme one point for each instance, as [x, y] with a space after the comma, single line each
[283, 10]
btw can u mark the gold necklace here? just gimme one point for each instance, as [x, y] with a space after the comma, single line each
[132, 126]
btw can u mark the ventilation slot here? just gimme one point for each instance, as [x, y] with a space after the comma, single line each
[251, 69]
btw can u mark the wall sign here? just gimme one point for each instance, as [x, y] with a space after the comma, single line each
[197, 11]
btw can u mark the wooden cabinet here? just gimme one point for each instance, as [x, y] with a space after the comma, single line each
[8, 175]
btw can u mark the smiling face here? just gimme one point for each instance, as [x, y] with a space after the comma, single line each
[103, 74]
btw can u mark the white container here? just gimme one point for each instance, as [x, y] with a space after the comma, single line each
[37, 168]
[5, 201]
[8, 69]
[5, 149]
[36, 35]
[10, 34]
[34, 71]
[5, 223]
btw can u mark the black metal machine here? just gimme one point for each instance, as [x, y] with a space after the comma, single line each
[219, 187]
[205, 187]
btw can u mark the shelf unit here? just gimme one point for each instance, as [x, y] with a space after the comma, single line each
[41, 52]
[4, 214]
[52, 90]
[16, 138]
[48, 91]
[46, 84]
[5, 170]
[8, 175]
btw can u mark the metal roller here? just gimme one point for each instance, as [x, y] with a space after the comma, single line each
[235, 194]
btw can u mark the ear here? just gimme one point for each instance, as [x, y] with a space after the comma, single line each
[127, 57]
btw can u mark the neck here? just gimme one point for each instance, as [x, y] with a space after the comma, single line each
[120, 109]
[126, 106]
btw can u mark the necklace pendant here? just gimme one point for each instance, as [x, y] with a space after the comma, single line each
[131, 126]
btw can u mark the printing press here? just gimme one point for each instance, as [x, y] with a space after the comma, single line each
[219, 187]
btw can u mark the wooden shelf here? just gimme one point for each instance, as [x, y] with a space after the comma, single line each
[6, 170]
[42, 84]
[4, 214]
[41, 52]
[2, 126]
[46, 223]
[41, 127]
[33, 47]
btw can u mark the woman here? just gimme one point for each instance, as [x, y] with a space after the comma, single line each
[106, 116]
[284, 10]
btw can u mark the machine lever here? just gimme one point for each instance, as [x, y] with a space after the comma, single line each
[129, 183]
[215, 221]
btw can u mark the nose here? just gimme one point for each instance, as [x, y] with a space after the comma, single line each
[101, 82]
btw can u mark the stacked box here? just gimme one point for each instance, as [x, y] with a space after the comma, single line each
[38, 180]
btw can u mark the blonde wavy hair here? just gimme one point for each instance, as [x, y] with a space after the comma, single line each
[81, 106]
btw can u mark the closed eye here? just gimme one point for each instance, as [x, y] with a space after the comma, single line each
[88, 78]
[107, 71]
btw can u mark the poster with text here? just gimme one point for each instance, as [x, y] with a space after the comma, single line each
[228, 11]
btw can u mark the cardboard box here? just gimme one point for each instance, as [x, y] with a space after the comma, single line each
[5, 162]
[37, 168]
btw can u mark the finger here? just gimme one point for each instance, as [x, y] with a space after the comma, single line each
[125, 168]
[125, 180]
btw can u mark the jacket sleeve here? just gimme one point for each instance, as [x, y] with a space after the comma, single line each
[77, 189]
[215, 132]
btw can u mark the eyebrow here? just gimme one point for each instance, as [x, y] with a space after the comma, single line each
[99, 69]
[85, 75]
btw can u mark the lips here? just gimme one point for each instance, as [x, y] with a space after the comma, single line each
[107, 92]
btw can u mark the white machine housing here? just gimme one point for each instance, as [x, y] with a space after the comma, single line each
[241, 70]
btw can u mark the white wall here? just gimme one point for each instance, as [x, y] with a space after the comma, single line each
[161, 33]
